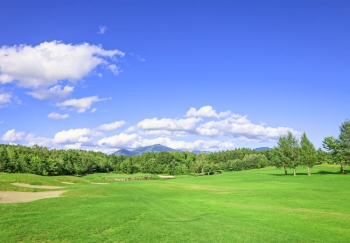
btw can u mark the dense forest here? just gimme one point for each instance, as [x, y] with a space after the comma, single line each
[289, 153]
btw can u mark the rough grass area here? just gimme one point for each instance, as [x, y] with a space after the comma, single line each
[250, 206]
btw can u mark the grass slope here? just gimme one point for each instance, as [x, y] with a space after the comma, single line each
[251, 206]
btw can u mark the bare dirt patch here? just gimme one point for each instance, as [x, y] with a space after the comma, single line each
[35, 186]
[18, 197]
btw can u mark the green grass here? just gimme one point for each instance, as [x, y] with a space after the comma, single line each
[250, 206]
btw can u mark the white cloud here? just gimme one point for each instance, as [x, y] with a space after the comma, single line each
[57, 116]
[1, 122]
[122, 140]
[114, 69]
[131, 141]
[81, 105]
[13, 136]
[72, 136]
[138, 57]
[5, 98]
[72, 146]
[131, 129]
[54, 93]
[42, 141]
[225, 124]
[206, 111]
[50, 62]
[111, 126]
[141, 59]
[102, 29]
[238, 126]
[188, 124]
[182, 134]
[93, 110]
[164, 133]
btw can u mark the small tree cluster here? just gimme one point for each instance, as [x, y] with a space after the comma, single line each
[292, 152]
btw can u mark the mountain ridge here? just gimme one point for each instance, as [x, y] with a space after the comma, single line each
[162, 148]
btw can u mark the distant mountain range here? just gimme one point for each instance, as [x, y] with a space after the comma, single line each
[262, 149]
[161, 148]
[141, 150]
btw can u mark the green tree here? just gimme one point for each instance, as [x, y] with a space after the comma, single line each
[277, 159]
[202, 161]
[322, 156]
[4, 158]
[290, 149]
[344, 138]
[334, 146]
[308, 156]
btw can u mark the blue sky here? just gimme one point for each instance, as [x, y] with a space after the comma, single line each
[192, 75]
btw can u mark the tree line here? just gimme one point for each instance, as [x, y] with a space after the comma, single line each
[289, 153]
[42, 161]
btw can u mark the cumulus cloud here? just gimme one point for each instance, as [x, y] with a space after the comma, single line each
[72, 136]
[238, 126]
[206, 111]
[111, 126]
[12, 136]
[72, 146]
[50, 62]
[81, 105]
[122, 140]
[57, 116]
[190, 133]
[225, 124]
[42, 141]
[164, 133]
[54, 93]
[102, 29]
[188, 124]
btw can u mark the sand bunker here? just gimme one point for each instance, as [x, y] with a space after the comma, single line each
[34, 186]
[68, 183]
[17, 197]
[99, 183]
[166, 177]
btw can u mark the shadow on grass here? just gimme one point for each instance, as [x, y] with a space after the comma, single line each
[321, 172]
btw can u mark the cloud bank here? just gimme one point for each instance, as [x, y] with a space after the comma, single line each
[200, 129]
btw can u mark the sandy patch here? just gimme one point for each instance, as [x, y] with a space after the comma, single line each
[17, 197]
[166, 177]
[68, 183]
[99, 183]
[34, 186]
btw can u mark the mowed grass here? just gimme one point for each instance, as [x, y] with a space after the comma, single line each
[251, 206]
